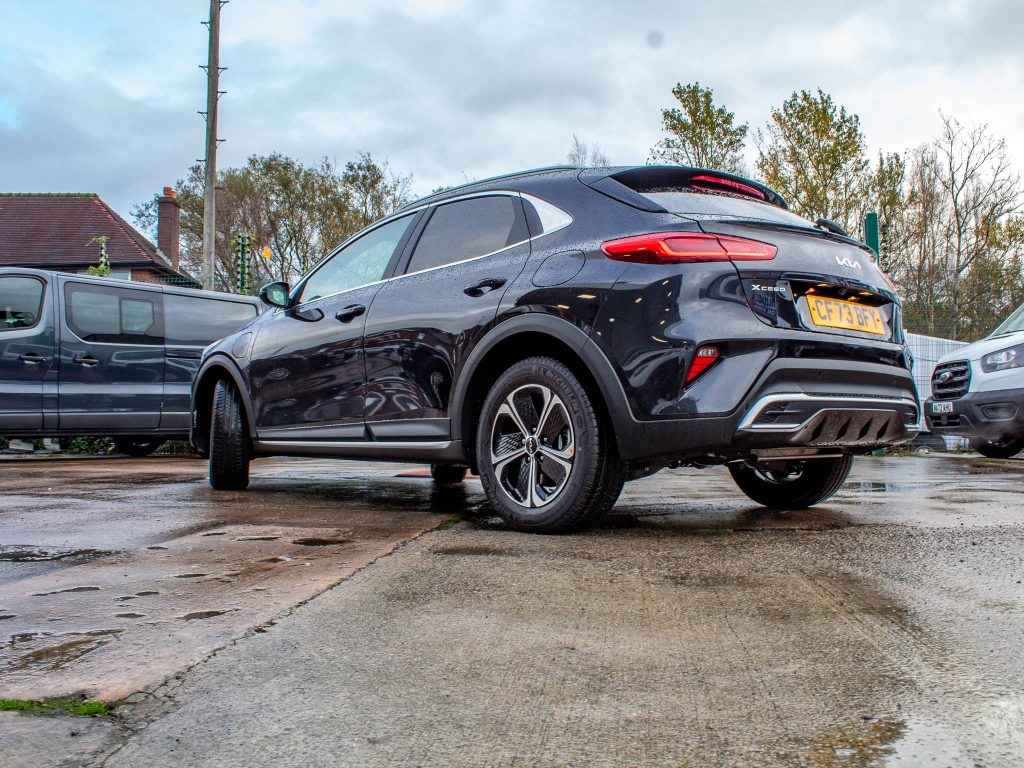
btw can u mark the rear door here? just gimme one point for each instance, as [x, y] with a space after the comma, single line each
[111, 357]
[192, 323]
[443, 299]
[26, 350]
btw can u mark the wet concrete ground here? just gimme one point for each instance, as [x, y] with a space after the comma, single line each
[882, 628]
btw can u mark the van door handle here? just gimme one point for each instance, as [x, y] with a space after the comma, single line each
[350, 313]
[87, 360]
[485, 285]
[32, 358]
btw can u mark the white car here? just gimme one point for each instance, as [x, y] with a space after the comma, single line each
[978, 391]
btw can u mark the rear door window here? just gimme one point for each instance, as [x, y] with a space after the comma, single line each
[21, 302]
[467, 229]
[194, 321]
[105, 315]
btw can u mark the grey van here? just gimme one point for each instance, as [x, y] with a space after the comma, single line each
[94, 356]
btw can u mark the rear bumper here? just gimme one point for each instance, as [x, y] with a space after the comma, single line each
[995, 415]
[795, 407]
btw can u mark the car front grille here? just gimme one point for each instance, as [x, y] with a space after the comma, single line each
[951, 380]
[945, 420]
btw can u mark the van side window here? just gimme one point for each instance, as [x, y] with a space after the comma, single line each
[21, 301]
[195, 322]
[113, 316]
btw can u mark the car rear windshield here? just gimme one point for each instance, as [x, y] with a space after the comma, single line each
[711, 205]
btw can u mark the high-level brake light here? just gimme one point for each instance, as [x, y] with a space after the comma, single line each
[728, 185]
[706, 357]
[682, 247]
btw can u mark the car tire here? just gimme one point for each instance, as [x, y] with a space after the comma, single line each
[137, 447]
[815, 481]
[1002, 449]
[547, 461]
[229, 440]
[448, 474]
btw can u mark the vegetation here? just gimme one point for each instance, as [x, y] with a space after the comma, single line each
[949, 210]
[68, 705]
[298, 212]
[700, 132]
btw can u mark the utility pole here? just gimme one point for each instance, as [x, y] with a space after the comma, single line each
[213, 70]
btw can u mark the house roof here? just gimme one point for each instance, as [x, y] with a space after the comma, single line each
[52, 231]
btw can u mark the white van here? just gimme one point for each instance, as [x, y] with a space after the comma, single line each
[978, 391]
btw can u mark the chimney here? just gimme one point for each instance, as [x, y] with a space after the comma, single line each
[168, 226]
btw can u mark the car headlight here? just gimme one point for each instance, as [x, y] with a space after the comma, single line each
[1004, 359]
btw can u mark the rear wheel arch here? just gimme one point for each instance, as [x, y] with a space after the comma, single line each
[525, 337]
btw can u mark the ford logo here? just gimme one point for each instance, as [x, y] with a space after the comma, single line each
[943, 377]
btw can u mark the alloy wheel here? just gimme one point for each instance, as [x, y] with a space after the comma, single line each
[532, 446]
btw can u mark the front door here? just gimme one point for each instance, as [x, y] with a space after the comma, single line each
[424, 321]
[308, 371]
[26, 351]
[111, 358]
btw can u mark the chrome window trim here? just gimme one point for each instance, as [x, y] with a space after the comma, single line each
[394, 217]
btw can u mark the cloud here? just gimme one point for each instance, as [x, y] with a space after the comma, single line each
[102, 97]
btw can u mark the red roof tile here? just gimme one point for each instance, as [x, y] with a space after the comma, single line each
[52, 231]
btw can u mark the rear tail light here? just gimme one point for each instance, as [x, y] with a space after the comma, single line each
[704, 359]
[684, 247]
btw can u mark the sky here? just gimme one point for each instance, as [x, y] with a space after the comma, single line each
[102, 95]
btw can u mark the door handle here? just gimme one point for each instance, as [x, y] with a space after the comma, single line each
[485, 285]
[87, 360]
[31, 358]
[350, 313]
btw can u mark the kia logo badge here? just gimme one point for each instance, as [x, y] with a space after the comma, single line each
[844, 261]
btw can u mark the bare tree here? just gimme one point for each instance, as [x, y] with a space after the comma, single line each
[586, 156]
[982, 190]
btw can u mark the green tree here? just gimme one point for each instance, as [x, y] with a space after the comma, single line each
[299, 212]
[812, 152]
[700, 132]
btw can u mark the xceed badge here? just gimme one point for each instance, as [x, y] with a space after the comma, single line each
[772, 288]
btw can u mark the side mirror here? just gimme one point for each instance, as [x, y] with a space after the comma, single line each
[275, 294]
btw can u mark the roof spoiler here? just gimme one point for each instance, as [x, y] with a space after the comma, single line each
[627, 184]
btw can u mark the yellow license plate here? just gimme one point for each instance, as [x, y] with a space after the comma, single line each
[834, 313]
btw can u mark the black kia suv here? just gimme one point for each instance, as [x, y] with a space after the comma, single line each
[562, 331]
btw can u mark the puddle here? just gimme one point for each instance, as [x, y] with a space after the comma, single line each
[190, 575]
[21, 553]
[476, 551]
[8, 616]
[320, 542]
[278, 559]
[69, 589]
[156, 546]
[215, 533]
[258, 538]
[203, 614]
[129, 615]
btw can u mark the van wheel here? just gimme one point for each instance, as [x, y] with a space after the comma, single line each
[448, 474]
[811, 482]
[547, 463]
[229, 440]
[1000, 449]
[138, 447]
